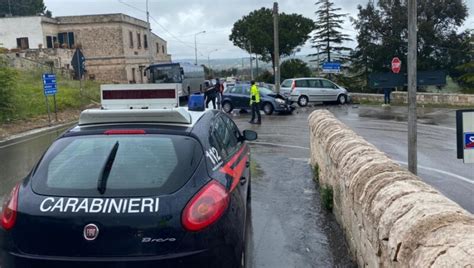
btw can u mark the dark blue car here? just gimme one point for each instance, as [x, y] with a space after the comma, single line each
[134, 188]
[238, 97]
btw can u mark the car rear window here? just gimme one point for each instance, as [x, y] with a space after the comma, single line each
[286, 83]
[142, 165]
[302, 83]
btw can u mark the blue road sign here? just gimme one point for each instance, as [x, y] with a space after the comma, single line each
[331, 67]
[468, 140]
[49, 84]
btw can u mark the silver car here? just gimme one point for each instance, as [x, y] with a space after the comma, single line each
[305, 90]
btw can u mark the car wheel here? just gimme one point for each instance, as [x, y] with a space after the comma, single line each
[268, 108]
[303, 101]
[227, 107]
[342, 99]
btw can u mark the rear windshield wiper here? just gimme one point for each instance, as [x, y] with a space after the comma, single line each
[104, 175]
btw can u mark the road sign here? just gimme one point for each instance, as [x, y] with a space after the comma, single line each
[465, 135]
[396, 65]
[78, 62]
[49, 84]
[469, 140]
[331, 67]
[391, 80]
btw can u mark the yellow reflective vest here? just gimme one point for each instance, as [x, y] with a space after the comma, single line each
[254, 94]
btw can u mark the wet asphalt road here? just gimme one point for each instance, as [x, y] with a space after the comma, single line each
[386, 128]
[288, 227]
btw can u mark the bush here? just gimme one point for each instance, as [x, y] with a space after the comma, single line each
[266, 77]
[8, 78]
[294, 68]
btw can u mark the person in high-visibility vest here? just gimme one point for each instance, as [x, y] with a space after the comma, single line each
[255, 103]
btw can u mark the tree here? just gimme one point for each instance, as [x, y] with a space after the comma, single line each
[254, 33]
[383, 34]
[466, 70]
[294, 68]
[23, 8]
[328, 37]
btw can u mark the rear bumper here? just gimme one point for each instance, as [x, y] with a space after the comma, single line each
[219, 257]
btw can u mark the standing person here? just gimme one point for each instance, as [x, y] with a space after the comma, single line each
[386, 95]
[211, 96]
[219, 89]
[255, 103]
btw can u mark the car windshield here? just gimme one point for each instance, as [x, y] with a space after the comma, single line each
[266, 91]
[149, 164]
[165, 74]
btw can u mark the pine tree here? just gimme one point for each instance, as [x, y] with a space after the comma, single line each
[23, 8]
[328, 37]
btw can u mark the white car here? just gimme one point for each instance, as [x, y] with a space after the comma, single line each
[305, 90]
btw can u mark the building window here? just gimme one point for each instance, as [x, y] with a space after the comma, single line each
[145, 41]
[66, 40]
[130, 35]
[163, 49]
[134, 79]
[157, 48]
[22, 43]
[139, 40]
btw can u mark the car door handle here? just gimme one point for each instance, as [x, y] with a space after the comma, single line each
[243, 180]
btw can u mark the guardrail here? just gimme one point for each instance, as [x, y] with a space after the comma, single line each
[390, 217]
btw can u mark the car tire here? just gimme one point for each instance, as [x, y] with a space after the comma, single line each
[303, 101]
[227, 106]
[342, 99]
[268, 108]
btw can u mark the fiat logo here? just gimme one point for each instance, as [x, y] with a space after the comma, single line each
[91, 231]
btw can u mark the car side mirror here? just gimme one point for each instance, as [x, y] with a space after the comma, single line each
[250, 135]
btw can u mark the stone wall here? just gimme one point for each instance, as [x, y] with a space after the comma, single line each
[422, 98]
[390, 217]
[34, 58]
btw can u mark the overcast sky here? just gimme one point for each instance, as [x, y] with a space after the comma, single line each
[178, 20]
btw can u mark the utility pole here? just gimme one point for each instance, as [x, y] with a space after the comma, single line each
[256, 63]
[412, 83]
[195, 46]
[277, 47]
[150, 38]
[251, 65]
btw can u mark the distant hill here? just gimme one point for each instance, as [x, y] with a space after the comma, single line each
[244, 63]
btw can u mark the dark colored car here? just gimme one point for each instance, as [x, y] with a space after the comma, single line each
[238, 97]
[134, 188]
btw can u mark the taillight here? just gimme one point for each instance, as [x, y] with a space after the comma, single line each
[124, 131]
[206, 207]
[9, 210]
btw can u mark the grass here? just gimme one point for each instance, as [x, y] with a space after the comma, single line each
[28, 100]
[255, 169]
[326, 192]
[327, 197]
[316, 173]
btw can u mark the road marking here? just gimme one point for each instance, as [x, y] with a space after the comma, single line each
[442, 172]
[401, 162]
[279, 145]
[300, 159]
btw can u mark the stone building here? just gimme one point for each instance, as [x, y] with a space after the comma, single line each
[117, 47]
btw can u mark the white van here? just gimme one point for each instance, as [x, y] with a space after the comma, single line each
[305, 90]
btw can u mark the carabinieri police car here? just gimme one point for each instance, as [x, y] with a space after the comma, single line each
[140, 182]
